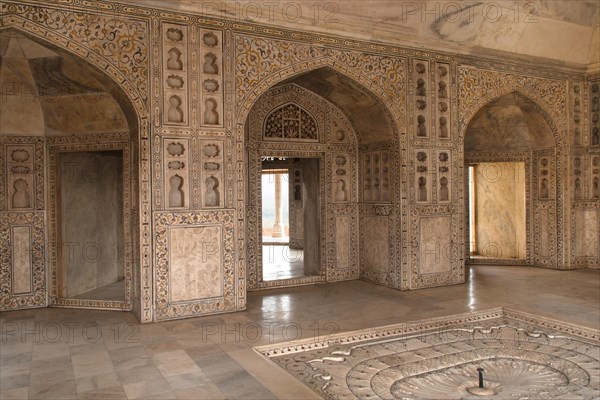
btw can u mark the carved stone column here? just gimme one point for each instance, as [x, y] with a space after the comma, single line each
[277, 231]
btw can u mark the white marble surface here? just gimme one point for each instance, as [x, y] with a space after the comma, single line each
[434, 244]
[500, 210]
[195, 263]
[375, 246]
[21, 260]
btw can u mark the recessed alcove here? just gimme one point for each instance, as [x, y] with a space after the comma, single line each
[324, 115]
[510, 172]
[92, 230]
[70, 131]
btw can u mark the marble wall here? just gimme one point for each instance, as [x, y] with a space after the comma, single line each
[187, 96]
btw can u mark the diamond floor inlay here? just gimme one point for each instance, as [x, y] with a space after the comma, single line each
[521, 356]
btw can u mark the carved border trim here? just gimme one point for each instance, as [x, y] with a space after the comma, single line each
[422, 326]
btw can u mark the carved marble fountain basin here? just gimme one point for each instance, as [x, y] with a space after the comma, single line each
[523, 357]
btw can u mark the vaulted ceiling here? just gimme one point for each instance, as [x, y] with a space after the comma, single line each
[47, 91]
[564, 32]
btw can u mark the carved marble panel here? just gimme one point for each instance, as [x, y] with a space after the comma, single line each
[194, 251]
[594, 177]
[212, 175]
[22, 260]
[175, 74]
[594, 96]
[295, 207]
[421, 87]
[444, 176]
[579, 181]
[211, 73]
[577, 122]
[343, 246]
[377, 183]
[587, 240]
[434, 244]
[423, 176]
[375, 246]
[177, 173]
[195, 263]
[443, 120]
[341, 178]
[343, 242]
[21, 177]
[435, 255]
[544, 243]
[544, 234]
[545, 178]
[22, 273]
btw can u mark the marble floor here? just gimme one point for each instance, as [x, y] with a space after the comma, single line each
[281, 262]
[112, 291]
[70, 354]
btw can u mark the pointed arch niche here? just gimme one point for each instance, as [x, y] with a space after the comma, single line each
[511, 169]
[72, 152]
[324, 115]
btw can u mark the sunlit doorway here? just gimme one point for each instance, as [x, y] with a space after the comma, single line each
[290, 218]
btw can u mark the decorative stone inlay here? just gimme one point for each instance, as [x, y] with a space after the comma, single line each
[202, 245]
[522, 356]
[36, 297]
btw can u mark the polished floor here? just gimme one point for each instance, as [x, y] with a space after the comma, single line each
[281, 262]
[69, 354]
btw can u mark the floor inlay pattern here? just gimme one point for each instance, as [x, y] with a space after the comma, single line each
[522, 357]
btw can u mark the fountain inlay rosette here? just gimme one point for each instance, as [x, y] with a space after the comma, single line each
[524, 357]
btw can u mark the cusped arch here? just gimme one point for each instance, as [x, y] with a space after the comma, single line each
[297, 69]
[272, 104]
[290, 121]
[490, 98]
[26, 27]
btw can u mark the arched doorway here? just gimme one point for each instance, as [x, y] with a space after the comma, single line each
[323, 116]
[71, 140]
[510, 165]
